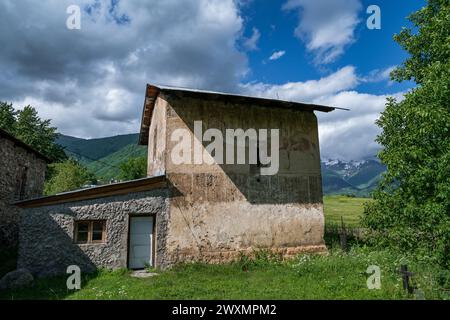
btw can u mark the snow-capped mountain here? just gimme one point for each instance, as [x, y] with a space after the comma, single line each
[351, 177]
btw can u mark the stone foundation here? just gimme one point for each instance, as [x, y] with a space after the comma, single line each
[217, 257]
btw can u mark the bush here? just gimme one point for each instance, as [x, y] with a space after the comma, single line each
[67, 176]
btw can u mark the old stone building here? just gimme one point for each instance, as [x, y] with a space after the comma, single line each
[22, 174]
[189, 211]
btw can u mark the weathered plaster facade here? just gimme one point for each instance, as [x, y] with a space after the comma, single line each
[218, 211]
[47, 232]
[22, 175]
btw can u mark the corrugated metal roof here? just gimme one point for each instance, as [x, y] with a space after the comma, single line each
[138, 185]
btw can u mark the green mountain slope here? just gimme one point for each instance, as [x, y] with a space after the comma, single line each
[351, 177]
[109, 167]
[103, 156]
[367, 174]
[87, 150]
[333, 183]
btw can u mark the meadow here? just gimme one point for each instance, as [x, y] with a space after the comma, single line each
[337, 275]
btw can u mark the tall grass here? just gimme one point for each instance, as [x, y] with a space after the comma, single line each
[262, 275]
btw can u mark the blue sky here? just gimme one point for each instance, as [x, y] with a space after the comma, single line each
[371, 50]
[91, 81]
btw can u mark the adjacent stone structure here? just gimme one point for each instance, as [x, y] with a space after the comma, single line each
[22, 175]
[47, 245]
[207, 212]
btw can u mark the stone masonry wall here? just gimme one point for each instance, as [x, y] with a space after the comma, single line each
[46, 233]
[13, 160]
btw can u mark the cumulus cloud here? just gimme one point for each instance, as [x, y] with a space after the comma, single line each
[344, 78]
[91, 82]
[327, 27]
[101, 70]
[378, 75]
[348, 135]
[277, 55]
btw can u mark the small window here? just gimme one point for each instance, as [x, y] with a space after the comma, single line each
[90, 231]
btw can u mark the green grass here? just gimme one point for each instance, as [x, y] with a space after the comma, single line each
[337, 276]
[351, 209]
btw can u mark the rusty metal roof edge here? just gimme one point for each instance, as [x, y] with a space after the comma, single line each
[98, 190]
[152, 92]
[167, 88]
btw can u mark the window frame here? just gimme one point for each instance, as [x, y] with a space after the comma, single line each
[90, 231]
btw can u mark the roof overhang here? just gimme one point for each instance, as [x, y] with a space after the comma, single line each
[152, 93]
[108, 190]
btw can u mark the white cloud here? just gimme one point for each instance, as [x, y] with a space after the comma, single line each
[343, 79]
[326, 27]
[91, 82]
[379, 75]
[101, 70]
[348, 135]
[251, 43]
[277, 55]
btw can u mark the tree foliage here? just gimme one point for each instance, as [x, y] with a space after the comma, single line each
[412, 204]
[134, 168]
[27, 126]
[67, 176]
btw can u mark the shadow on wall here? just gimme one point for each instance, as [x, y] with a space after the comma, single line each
[301, 184]
[45, 247]
[9, 225]
[8, 260]
[46, 250]
[8, 231]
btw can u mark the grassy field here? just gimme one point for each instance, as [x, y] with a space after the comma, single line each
[338, 275]
[350, 209]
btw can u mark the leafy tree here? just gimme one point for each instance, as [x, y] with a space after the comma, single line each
[66, 176]
[27, 126]
[134, 168]
[412, 204]
[7, 117]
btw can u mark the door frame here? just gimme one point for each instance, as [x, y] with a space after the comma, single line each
[153, 244]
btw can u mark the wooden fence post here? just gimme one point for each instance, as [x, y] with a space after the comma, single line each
[343, 236]
[406, 277]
